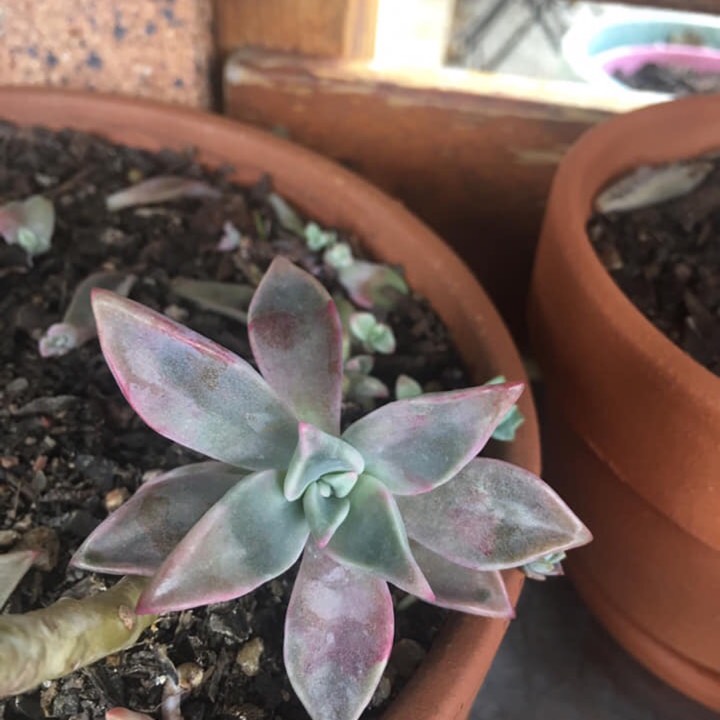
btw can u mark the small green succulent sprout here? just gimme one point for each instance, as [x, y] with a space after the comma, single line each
[359, 385]
[317, 238]
[338, 256]
[374, 335]
[549, 565]
[286, 215]
[507, 429]
[29, 224]
[369, 285]
[13, 566]
[398, 497]
[372, 285]
[160, 189]
[407, 387]
[78, 324]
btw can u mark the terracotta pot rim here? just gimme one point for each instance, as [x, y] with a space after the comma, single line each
[680, 672]
[392, 233]
[627, 321]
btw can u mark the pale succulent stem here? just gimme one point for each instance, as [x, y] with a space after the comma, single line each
[48, 643]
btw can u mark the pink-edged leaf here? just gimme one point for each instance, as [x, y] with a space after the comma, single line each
[162, 188]
[371, 285]
[296, 338]
[247, 538]
[137, 538]
[477, 592]
[492, 515]
[13, 566]
[372, 538]
[192, 390]
[414, 445]
[338, 636]
[324, 513]
[318, 453]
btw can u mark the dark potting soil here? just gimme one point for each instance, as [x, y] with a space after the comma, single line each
[71, 447]
[669, 79]
[666, 259]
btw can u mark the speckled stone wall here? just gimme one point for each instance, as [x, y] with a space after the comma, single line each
[152, 48]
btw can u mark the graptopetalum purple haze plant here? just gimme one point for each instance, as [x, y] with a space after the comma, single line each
[398, 497]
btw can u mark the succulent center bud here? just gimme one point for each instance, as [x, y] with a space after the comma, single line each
[323, 459]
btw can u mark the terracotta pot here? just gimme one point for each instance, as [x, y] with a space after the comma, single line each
[445, 685]
[633, 422]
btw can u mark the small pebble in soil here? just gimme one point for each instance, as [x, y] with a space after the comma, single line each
[248, 656]
[115, 498]
[189, 676]
[8, 538]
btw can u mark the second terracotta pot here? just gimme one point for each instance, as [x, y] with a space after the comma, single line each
[633, 435]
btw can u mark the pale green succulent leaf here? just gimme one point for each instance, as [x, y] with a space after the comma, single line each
[407, 387]
[362, 324]
[137, 537]
[29, 223]
[13, 566]
[324, 514]
[367, 386]
[318, 453]
[373, 538]
[296, 338]
[491, 516]
[229, 299]
[338, 256]
[341, 483]
[317, 238]
[78, 323]
[338, 636]
[286, 215]
[360, 364]
[159, 189]
[477, 592]
[250, 536]
[547, 566]
[509, 425]
[374, 335]
[372, 285]
[415, 445]
[190, 389]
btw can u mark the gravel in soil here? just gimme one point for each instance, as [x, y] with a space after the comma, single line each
[71, 448]
[666, 259]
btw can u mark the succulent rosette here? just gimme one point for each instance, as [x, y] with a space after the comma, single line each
[398, 497]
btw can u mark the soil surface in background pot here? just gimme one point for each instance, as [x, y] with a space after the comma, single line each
[670, 79]
[666, 259]
[71, 447]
